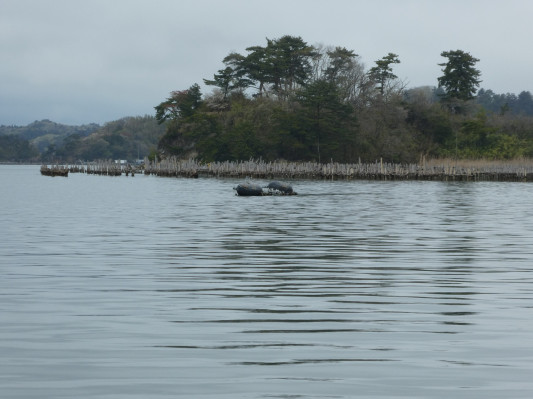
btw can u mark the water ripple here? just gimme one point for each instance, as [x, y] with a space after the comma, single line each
[159, 288]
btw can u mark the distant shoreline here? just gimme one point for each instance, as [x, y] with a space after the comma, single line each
[19, 163]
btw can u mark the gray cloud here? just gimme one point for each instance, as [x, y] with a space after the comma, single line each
[79, 62]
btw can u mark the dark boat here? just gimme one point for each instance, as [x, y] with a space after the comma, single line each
[249, 189]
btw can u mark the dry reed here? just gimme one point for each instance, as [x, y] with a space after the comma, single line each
[432, 169]
[436, 169]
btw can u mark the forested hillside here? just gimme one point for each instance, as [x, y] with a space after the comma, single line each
[289, 100]
[128, 138]
[37, 138]
[17, 149]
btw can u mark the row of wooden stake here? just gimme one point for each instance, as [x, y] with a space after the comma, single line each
[521, 170]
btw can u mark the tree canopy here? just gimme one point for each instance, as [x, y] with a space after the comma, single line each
[180, 104]
[278, 67]
[382, 72]
[286, 99]
[290, 100]
[460, 79]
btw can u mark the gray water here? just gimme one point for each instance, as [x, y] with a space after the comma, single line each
[146, 287]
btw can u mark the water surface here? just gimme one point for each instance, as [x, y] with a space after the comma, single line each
[147, 287]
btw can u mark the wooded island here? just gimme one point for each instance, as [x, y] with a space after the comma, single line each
[290, 101]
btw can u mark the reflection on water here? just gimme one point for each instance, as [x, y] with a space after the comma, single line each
[150, 287]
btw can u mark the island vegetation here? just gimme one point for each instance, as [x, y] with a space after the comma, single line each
[288, 100]
[292, 101]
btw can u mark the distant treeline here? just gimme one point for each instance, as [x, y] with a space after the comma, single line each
[288, 100]
[17, 149]
[518, 105]
[128, 138]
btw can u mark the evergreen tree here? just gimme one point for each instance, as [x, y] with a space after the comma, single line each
[225, 80]
[382, 72]
[327, 118]
[460, 79]
[181, 104]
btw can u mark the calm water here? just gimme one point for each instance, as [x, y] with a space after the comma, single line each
[146, 287]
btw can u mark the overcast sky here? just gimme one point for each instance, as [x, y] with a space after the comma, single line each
[78, 62]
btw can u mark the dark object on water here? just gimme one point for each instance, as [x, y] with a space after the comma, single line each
[280, 187]
[274, 188]
[249, 189]
[54, 171]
